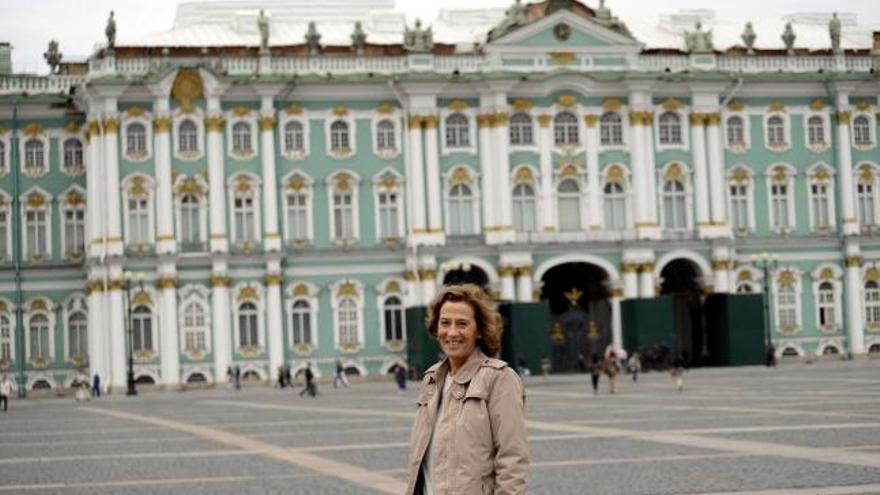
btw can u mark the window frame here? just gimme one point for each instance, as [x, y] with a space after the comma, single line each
[831, 275]
[472, 182]
[621, 122]
[826, 131]
[389, 181]
[353, 290]
[351, 123]
[46, 209]
[786, 131]
[377, 123]
[829, 183]
[470, 117]
[147, 124]
[236, 189]
[198, 295]
[338, 182]
[33, 172]
[306, 292]
[302, 180]
[749, 184]
[76, 206]
[872, 131]
[796, 303]
[524, 127]
[149, 186]
[791, 197]
[235, 118]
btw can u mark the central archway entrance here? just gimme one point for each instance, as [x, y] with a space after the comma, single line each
[578, 297]
[682, 282]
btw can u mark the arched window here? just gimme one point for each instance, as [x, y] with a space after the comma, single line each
[457, 131]
[389, 206]
[302, 323]
[187, 137]
[674, 205]
[862, 130]
[670, 128]
[461, 210]
[569, 199]
[34, 155]
[294, 137]
[744, 288]
[385, 135]
[5, 338]
[826, 305]
[776, 131]
[142, 329]
[245, 218]
[611, 129]
[194, 328]
[343, 215]
[524, 208]
[39, 337]
[241, 138]
[865, 198]
[816, 131]
[190, 219]
[136, 139]
[78, 344]
[521, 130]
[247, 325]
[735, 131]
[615, 205]
[872, 304]
[297, 215]
[393, 318]
[339, 136]
[73, 153]
[565, 129]
[347, 317]
[786, 307]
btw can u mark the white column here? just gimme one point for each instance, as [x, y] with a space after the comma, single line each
[721, 269]
[271, 237]
[845, 168]
[651, 216]
[428, 277]
[501, 172]
[216, 177]
[434, 194]
[701, 182]
[646, 280]
[97, 328]
[416, 175]
[630, 273]
[165, 241]
[111, 181]
[488, 182]
[221, 312]
[274, 279]
[524, 286]
[616, 320]
[594, 193]
[545, 141]
[118, 326]
[715, 154]
[94, 189]
[639, 169]
[169, 340]
[854, 322]
[508, 282]
[413, 288]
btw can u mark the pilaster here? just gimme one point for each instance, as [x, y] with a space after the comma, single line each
[165, 240]
[700, 182]
[508, 282]
[850, 225]
[595, 198]
[545, 142]
[214, 125]
[715, 153]
[501, 169]
[117, 328]
[630, 275]
[646, 280]
[488, 183]
[97, 328]
[170, 339]
[428, 277]
[221, 313]
[616, 319]
[524, 286]
[275, 338]
[415, 176]
[855, 323]
[110, 126]
[271, 236]
[94, 190]
[434, 194]
[722, 265]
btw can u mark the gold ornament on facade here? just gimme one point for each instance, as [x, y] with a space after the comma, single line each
[506, 271]
[38, 305]
[293, 109]
[431, 121]
[671, 104]
[162, 124]
[414, 121]
[615, 173]
[33, 129]
[301, 290]
[522, 105]
[167, 283]
[220, 281]
[241, 111]
[524, 175]
[674, 172]
[187, 87]
[250, 351]
[267, 123]
[843, 116]
[135, 111]
[736, 106]
[853, 261]
[780, 174]
[191, 186]
[460, 176]
[617, 292]
[71, 127]
[248, 293]
[385, 108]
[786, 278]
[567, 100]
[296, 183]
[274, 279]
[821, 174]
[591, 120]
[863, 105]
[243, 185]
[573, 295]
[545, 120]
[215, 123]
[94, 128]
[826, 274]
[458, 105]
[776, 106]
[392, 287]
[427, 274]
[499, 119]
[556, 334]
[410, 276]
[744, 276]
[35, 200]
[340, 111]
[343, 182]
[347, 289]
[713, 119]
[697, 119]
[142, 298]
[611, 105]
[872, 274]
[388, 181]
[739, 175]
[563, 58]
[75, 199]
[866, 175]
[116, 284]
[138, 189]
[569, 170]
[817, 105]
[3, 306]
[646, 267]
[111, 125]
[721, 265]
[40, 362]
[484, 120]
[2, 201]
[3, 129]
[629, 267]
[303, 349]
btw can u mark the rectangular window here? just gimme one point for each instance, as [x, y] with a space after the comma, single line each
[739, 202]
[36, 232]
[4, 231]
[787, 308]
[74, 231]
[5, 339]
[297, 217]
[138, 221]
[343, 216]
[779, 201]
[820, 205]
[388, 208]
[865, 193]
[245, 230]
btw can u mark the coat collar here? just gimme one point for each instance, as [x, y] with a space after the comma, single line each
[468, 369]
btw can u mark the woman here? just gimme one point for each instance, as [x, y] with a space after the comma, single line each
[469, 435]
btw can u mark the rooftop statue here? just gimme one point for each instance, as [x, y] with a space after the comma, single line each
[358, 38]
[748, 38]
[110, 31]
[313, 39]
[53, 56]
[788, 38]
[554, 5]
[834, 32]
[418, 39]
[699, 41]
[604, 17]
[263, 26]
[515, 16]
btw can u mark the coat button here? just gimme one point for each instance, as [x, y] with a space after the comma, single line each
[459, 395]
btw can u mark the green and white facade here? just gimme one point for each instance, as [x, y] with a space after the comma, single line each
[285, 203]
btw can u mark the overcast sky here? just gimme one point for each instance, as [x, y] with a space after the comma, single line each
[79, 24]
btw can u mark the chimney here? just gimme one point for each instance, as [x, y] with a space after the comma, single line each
[6, 57]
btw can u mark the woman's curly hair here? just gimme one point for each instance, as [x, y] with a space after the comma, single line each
[489, 322]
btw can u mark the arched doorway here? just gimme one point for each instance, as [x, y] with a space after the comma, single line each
[681, 280]
[467, 274]
[578, 297]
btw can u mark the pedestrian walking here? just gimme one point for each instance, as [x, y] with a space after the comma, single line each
[634, 365]
[596, 370]
[309, 387]
[677, 371]
[287, 379]
[400, 376]
[236, 377]
[5, 392]
[771, 356]
[546, 366]
[340, 375]
[96, 385]
[280, 373]
[612, 368]
[469, 434]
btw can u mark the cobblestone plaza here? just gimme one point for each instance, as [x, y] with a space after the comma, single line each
[795, 430]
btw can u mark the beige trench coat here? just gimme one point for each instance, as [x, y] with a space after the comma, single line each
[480, 446]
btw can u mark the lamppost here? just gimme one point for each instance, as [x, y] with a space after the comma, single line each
[130, 277]
[766, 262]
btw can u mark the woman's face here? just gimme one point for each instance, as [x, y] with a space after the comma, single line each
[457, 331]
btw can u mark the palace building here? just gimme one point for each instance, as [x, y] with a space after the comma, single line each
[256, 187]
